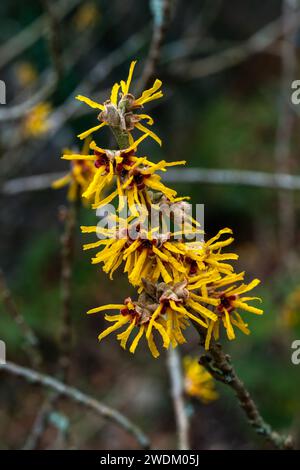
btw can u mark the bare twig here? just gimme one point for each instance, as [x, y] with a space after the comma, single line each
[161, 16]
[54, 37]
[286, 209]
[177, 391]
[257, 179]
[219, 365]
[257, 43]
[29, 35]
[79, 397]
[12, 161]
[42, 419]
[68, 241]
[40, 423]
[31, 341]
[18, 111]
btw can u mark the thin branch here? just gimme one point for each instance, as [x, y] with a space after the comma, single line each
[40, 423]
[31, 341]
[161, 13]
[29, 35]
[12, 161]
[220, 367]
[177, 391]
[54, 37]
[257, 43]
[65, 347]
[286, 208]
[68, 242]
[257, 179]
[79, 397]
[18, 111]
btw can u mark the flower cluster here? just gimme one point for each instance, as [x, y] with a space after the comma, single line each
[198, 382]
[36, 123]
[79, 176]
[180, 281]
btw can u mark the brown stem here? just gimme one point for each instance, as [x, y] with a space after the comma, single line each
[31, 341]
[68, 241]
[177, 391]
[79, 397]
[159, 32]
[220, 367]
[286, 120]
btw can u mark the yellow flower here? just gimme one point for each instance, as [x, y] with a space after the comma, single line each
[155, 310]
[198, 382]
[146, 255]
[26, 73]
[291, 309]
[229, 300]
[162, 308]
[208, 254]
[136, 318]
[86, 17]
[79, 177]
[36, 122]
[119, 110]
[133, 174]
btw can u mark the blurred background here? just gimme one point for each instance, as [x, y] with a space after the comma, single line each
[227, 69]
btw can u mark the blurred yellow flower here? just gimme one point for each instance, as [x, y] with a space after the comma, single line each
[291, 309]
[79, 176]
[26, 73]
[36, 122]
[198, 382]
[86, 16]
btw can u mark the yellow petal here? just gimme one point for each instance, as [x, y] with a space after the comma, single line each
[61, 182]
[125, 87]
[137, 339]
[85, 134]
[106, 307]
[91, 103]
[114, 93]
[148, 93]
[148, 132]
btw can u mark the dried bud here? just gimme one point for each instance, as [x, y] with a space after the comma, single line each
[110, 115]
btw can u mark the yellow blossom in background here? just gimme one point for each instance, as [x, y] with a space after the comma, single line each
[86, 16]
[36, 122]
[79, 177]
[198, 382]
[120, 110]
[291, 309]
[26, 73]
